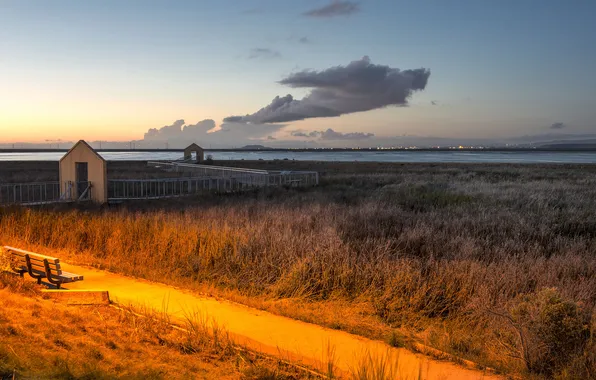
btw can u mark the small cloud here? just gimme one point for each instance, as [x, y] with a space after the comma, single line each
[271, 138]
[434, 103]
[336, 8]
[330, 134]
[263, 53]
[304, 40]
[558, 126]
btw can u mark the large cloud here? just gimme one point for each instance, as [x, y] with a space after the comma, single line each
[207, 134]
[336, 8]
[359, 86]
[179, 131]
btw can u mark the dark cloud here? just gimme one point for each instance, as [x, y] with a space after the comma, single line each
[558, 126]
[299, 134]
[359, 86]
[271, 138]
[304, 40]
[263, 53]
[434, 102]
[336, 8]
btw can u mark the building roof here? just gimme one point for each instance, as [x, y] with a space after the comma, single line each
[193, 146]
[83, 142]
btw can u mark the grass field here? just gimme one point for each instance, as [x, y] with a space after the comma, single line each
[493, 263]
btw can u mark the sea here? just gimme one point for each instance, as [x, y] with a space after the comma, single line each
[347, 156]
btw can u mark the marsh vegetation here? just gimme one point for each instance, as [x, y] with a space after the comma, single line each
[492, 263]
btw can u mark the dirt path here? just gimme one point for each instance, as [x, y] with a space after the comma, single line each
[266, 332]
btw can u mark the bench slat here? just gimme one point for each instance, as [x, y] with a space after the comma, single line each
[40, 268]
[68, 277]
[37, 260]
[23, 252]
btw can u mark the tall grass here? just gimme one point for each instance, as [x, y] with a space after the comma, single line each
[439, 250]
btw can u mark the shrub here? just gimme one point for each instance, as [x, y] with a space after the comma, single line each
[549, 331]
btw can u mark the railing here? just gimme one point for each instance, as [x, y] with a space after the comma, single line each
[177, 187]
[208, 170]
[29, 193]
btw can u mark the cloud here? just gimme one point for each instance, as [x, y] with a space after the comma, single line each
[434, 102]
[305, 40]
[271, 138]
[207, 134]
[263, 53]
[330, 134]
[558, 126]
[359, 86]
[336, 8]
[179, 130]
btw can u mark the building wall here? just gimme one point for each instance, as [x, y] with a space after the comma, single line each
[195, 148]
[97, 172]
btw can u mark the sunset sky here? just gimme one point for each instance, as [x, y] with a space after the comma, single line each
[112, 70]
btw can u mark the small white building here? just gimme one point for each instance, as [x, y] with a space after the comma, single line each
[194, 153]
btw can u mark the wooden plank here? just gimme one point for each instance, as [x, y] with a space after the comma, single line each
[23, 252]
[69, 276]
[40, 266]
[35, 262]
[35, 258]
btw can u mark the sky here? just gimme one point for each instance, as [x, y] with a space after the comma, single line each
[121, 70]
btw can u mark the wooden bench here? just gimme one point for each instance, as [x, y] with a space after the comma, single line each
[40, 267]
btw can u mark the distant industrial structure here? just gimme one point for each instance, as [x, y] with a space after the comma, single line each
[83, 176]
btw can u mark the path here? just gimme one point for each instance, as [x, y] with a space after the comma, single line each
[266, 332]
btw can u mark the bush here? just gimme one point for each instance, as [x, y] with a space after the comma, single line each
[548, 331]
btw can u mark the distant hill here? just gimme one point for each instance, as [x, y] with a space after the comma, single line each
[255, 147]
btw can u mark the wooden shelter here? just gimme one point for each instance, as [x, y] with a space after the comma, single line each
[84, 174]
[194, 153]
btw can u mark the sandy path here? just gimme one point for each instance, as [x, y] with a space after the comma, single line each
[266, 332]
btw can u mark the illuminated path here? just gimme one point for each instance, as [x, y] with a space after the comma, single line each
[268, 333]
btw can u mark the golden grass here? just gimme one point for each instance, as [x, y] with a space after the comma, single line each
[440, 253]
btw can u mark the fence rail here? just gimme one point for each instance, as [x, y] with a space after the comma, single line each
[29, 193]
[207, 170]
[176, 187]
[204, 178]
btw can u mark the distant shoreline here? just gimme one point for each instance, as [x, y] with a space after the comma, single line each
[326, 150]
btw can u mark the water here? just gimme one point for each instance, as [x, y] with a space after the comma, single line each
[380, 156]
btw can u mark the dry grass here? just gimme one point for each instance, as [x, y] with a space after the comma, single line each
[40, 339]
[446, 253]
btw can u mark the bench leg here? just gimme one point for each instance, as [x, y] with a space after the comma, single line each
[30, 270]
[46, 264]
